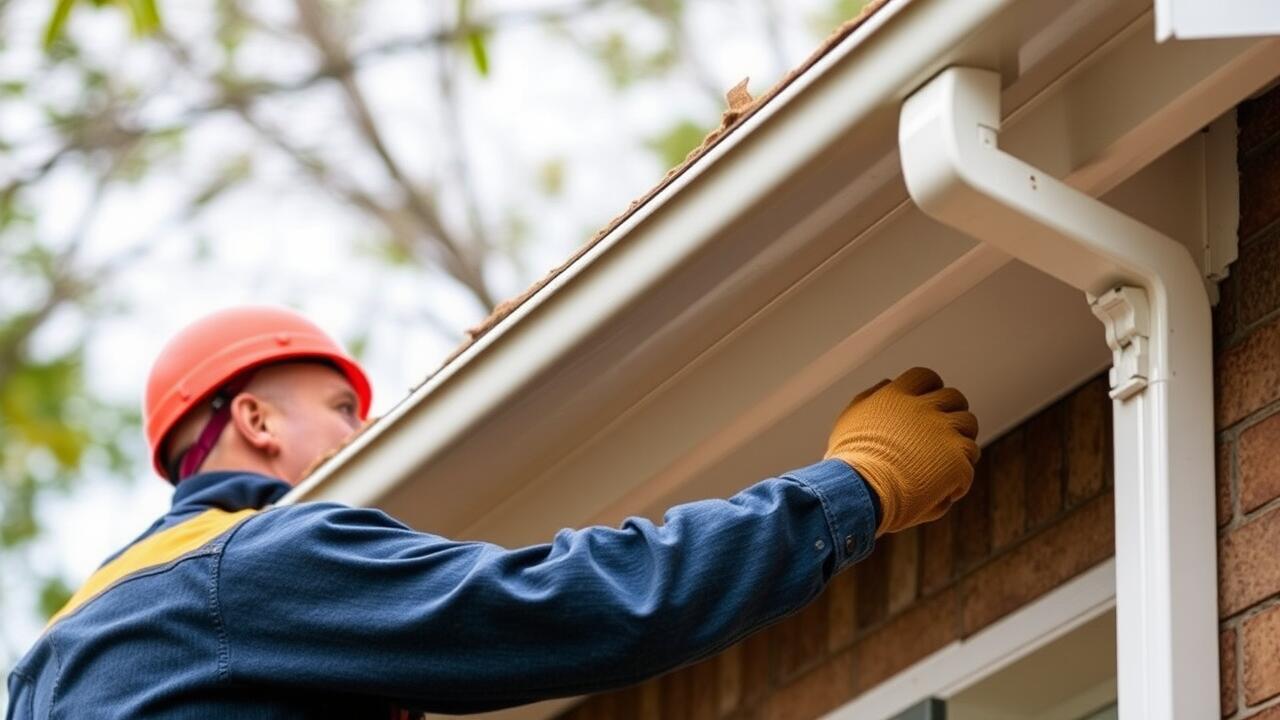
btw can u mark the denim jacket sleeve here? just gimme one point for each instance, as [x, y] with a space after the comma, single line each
[324, 596]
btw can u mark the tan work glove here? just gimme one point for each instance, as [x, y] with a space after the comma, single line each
[913, 441]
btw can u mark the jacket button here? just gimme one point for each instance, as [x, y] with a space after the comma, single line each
[848, 545]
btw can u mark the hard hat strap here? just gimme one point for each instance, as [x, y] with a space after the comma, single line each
[194, 456]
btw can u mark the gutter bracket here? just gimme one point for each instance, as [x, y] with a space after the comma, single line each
[1127, 317]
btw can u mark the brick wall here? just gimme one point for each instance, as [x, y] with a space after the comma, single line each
[1247, 336]
[1039, 513]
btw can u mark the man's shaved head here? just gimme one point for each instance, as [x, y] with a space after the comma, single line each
[289, 415]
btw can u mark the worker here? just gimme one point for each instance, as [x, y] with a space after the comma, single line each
[232, 606]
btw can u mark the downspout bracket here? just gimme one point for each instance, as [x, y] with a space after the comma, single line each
[1125, 313]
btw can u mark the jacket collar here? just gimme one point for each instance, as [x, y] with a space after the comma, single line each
[229, 490]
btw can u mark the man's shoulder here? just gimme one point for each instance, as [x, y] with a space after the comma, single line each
[303, 527]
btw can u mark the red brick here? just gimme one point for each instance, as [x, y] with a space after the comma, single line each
[1008, 488]
[1248, 375]
[937, 556]
[1046, 464]
[1227, 671]
[1259, 189]
[1271, 713]
[1258, 121]
[842, 611]
[973, 521]
[800, 640]
[904, 569]
[1088, 440]
[1259, 283]
[1260, 648]
[1222, 482]
[914, 634]
[1076, 543]
[815, 693]
[1260, 464]
[1248, 564]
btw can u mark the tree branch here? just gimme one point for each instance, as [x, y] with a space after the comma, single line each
[456, 148]
[313, 20]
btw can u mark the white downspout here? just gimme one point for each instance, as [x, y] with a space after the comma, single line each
[1148, 291]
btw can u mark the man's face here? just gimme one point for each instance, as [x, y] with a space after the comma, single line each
[314, 411]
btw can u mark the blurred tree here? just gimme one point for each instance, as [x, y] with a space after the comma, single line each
[293, 79]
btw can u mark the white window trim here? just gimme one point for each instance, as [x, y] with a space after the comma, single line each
[966, 662]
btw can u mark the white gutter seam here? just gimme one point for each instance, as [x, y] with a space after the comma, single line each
[1148, 291]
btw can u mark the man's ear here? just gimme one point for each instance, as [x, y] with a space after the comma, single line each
[254, 419]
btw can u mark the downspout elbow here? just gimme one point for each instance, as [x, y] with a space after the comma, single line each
[1148, 291]
[956, 173]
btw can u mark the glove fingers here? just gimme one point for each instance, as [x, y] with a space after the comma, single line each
[971, 450]
[948, 399]
[962, 489]
[918, 381]
[935, 512]
[868, 392]
[964, 422]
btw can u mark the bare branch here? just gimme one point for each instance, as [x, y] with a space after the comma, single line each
[65, 284]
[456, 148]
[401, 225]
[314, 24]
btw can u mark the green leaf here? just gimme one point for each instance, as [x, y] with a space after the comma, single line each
[54, 594]
[625, 65]
[839, 11]
[675, 144]
[57, 22]
[358, 345]
[479, 54]
[146, 16]
[551, 177]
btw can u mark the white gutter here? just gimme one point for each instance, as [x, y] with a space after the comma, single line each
[1149, 293]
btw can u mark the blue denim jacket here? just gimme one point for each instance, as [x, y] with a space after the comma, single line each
[227, 607]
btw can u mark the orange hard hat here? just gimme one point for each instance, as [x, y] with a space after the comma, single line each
[213, 350]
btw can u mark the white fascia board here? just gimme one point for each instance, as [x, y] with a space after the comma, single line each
[555, 417]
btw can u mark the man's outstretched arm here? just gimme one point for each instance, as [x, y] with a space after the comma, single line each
[349, 600]
[324, 596]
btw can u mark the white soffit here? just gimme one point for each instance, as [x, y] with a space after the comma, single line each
[716, 344]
